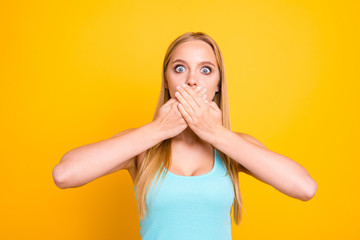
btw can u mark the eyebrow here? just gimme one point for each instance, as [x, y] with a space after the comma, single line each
[203, 62]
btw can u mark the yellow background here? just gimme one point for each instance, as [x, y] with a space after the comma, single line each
[77, 72]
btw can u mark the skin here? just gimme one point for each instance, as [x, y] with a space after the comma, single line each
[195, 126]
[194, 122]
[205, 130]
[192, 73]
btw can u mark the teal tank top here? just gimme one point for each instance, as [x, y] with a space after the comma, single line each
[190, 207]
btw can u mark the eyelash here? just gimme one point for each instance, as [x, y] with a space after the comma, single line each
[183, 66]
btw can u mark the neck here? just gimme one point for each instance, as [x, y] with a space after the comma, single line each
[187, 137]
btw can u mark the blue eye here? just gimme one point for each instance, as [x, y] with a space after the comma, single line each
[181, 67]
[208, 70]
[177, 67]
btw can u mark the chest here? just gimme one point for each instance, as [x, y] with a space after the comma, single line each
[208, 196]
[185, 163]
[191, 164]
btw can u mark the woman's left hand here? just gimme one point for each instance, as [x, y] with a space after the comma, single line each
[203, 117]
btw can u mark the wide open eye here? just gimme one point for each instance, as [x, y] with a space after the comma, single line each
[208, 70]
[179, 67]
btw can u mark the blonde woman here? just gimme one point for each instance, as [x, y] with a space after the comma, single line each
[185, 163]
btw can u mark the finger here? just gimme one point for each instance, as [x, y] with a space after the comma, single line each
[184, 103]
[200, 91]
[183, 112]
[188, 93]
[198, 95]
[201, 97]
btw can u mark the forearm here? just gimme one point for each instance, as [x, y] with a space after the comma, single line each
[279, 171]
[86, 163]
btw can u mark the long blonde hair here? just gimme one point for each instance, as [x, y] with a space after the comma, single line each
[158, 157]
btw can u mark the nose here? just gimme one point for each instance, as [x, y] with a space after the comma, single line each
[191, 80]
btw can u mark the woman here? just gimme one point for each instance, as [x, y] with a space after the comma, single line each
[191, 144]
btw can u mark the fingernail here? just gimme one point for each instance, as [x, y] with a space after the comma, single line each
[184, 85]
[204, 90]
[178, 87]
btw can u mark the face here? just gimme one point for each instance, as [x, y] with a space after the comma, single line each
[193, 63]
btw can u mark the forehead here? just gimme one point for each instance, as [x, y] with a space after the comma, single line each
[194, 50]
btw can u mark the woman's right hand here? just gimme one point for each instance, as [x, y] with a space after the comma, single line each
[169, 119]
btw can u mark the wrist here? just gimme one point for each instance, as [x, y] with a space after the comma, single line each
[157, 131]
[219, 135]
